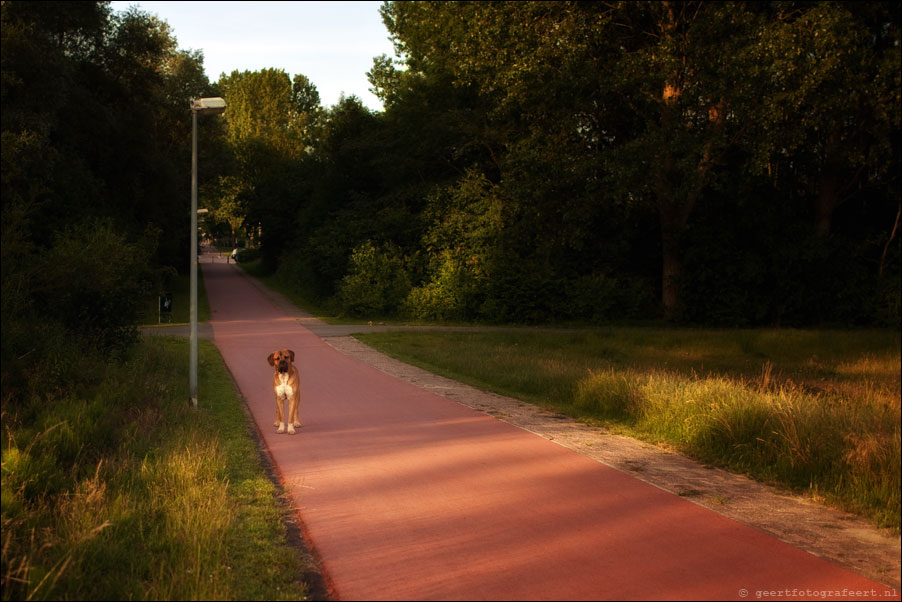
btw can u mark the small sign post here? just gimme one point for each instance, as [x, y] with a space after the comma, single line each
[165, 308]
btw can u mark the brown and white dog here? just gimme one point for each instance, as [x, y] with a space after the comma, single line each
[286, 384]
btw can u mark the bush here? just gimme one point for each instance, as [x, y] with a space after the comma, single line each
[246, 255]
[591, 296]
[376, 283]
[452, 294]
[70, 304]
[93, 281]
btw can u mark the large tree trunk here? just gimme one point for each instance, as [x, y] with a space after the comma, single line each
[674, 209]
[673, 215]
[828, 186]
[825, 202]
[670, 273]
[674, 206]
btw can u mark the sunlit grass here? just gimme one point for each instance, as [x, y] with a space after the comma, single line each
[815, 411]
[127, 493]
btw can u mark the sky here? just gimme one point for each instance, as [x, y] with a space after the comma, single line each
[332, 43]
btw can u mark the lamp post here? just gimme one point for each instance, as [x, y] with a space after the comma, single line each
[202, 106]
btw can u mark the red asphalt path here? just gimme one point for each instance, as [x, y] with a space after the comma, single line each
[405, 495]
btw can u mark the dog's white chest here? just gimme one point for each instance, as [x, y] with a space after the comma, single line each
[283, 389]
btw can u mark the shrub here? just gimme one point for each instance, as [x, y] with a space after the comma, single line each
[376, 283]
[93, 281]
[453, 293]
[246, 255]
[593, 297]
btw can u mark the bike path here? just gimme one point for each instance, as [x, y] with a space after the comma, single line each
[405, 495]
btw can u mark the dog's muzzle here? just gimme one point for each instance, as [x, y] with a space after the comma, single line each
[283, 367]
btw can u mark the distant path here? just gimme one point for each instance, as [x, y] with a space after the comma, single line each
[407, 495]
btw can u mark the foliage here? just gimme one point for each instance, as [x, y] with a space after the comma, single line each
[265, 105]
[96, 149]
[376, 281]
[453, 292]
[728, 163]
[270, 121]
[245, 255]
[92, 281]
[592, 128]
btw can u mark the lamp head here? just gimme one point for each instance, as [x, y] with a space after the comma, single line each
[208, 106]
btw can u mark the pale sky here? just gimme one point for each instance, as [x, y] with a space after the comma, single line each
[332, 43]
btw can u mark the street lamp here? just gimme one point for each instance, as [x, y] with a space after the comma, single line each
[202, 106]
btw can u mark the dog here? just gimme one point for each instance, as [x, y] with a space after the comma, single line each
[286, 384]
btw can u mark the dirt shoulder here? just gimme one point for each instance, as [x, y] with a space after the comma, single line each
[841, 537]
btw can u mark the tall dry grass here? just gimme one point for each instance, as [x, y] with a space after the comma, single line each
[124, 492]
[844, 450]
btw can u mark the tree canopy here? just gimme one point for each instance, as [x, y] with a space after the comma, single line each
[96, 154]
[727, 163]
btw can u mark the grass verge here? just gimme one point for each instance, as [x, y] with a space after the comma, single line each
[321, 309]
[123, 492]
[814, 411]
[181, 303]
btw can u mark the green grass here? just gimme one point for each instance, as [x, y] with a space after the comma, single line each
[181, 302]
[814, 411]
[323, 310]
[124, 492]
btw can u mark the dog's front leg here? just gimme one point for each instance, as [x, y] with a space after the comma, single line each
[279, 421]
[293, 415]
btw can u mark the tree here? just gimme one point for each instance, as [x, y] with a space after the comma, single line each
[654, 105]
[270, 121]
[525, 94]
[95, 145]
[538, 160]
[832, 110]
[306, 98]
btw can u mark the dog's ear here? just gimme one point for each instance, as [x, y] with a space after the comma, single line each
[270, 359]
[292, 355]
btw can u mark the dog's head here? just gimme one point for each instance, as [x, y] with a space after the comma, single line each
[281, 360]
